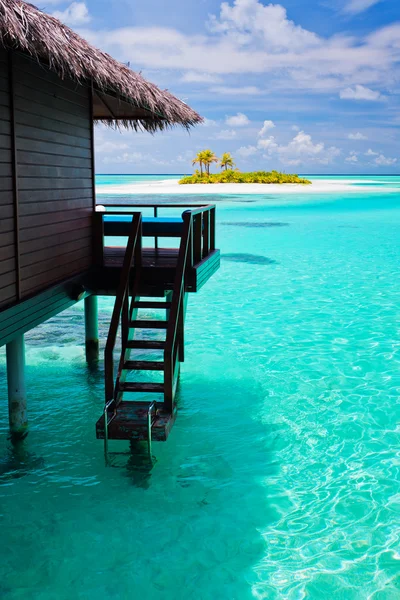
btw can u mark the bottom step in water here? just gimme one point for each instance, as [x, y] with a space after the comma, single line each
[130, 423]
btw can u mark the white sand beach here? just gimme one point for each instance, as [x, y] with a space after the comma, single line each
[171, 186]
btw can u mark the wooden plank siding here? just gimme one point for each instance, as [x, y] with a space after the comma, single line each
[55, 188]
[8, 288]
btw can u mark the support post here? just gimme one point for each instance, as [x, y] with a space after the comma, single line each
[91, 329]
[15, 351]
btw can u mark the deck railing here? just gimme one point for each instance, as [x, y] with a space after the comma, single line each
[203, 227]
[197, 241]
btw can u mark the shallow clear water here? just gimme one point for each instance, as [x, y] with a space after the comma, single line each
[281, 476]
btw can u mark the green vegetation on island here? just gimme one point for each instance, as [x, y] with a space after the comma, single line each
[206, 158]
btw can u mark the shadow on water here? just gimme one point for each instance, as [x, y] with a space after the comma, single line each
[18, 462]
[140, 465]
[258, 224]
[251, 259]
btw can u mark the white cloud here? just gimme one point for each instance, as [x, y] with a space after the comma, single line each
[303, 150]
[226, 134]
[249, 19]
[246, 151]
[269, 145]
[360, 92]
[239, 120]
[197, 77]
[353, 157]
[209, 123]
[224, 90]
[266, 127]
[300, 150]
[110, 146]
[295, 128]
[371, 153]
[357, 136]
[248, 37]
[358, 6]
[134, 158]
[76, 14]
[383, 161]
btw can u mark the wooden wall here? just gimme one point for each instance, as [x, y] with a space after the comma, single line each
[8, 292]
[52, 123]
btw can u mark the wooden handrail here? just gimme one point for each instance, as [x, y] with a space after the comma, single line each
[192, 236]
[133, 249]
[195, 206]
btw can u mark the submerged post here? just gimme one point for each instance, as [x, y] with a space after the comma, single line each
[16, 388]
[91, 329]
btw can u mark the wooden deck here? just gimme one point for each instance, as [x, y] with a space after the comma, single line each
[161, 258]
[158, 271]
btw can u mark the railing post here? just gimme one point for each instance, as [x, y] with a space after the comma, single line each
[125, 320]
[109, 377]
[98, 239]
[212, 229]
[169, 382]
[197, 227]
[181, 328]
[206, 234]
[155, 237]
[91, 329]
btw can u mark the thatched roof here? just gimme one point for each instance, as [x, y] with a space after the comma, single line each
[121, 95]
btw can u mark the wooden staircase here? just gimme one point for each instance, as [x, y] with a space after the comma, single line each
[144, 418]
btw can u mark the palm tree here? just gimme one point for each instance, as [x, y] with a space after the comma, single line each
[199, 160]
[208, 158]
[226, 161]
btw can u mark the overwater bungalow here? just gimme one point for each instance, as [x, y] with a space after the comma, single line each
[54, 244]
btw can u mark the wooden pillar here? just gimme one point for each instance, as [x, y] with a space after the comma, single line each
[91, 329]
[16, 388]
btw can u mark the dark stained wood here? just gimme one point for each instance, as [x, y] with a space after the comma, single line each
[162, 258]
[71, 224]
[53, 261]
[30, 66]
[52, 218]
[133, 251]
[42, 110]
[52, 160]
[148, 324]
[63, 270]
[33, 131]
[143, 365]
[92, 153]
[46, 171]
[133, 387]
[145, 345]
[11, 280]
[53, 252]
[54, 241]
[44, 208]
[131, 423]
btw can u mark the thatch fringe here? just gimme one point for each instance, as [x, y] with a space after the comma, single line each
[24, 27]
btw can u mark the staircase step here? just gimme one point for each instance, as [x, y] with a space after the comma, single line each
[143, 304]
[146, 344]
[141, 387]
[143, 365]
[145, 324]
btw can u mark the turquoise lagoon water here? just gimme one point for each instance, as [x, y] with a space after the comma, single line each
[280, 479]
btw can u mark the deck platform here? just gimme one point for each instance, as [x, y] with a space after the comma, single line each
[130, 423]
[158, 271]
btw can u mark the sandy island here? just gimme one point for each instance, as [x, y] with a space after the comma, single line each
[171, 186]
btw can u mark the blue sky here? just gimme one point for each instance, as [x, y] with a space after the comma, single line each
[303, 86]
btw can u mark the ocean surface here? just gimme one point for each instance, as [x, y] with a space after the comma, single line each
[280, 479]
